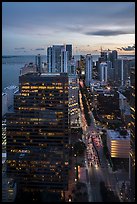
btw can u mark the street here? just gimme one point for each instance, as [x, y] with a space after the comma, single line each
[97, 166]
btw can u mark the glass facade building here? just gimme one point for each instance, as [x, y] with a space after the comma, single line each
[38, 134]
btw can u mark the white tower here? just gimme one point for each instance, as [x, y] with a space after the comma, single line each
[103, 71]
[89, 66]
[64, 60]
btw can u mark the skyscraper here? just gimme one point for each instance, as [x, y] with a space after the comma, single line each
[103, 72]
[103, 56]
[89, 67]
[59, 58]
[49, 59]
[122, 70]
[64, 60]
[38, 63]
[73, 100]
[112, 56]
[132, 143]
[69, 49]
[54, 58]
[37, 133]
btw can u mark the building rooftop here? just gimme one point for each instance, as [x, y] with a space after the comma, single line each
[116, 135]
[53, 74]
[103, 63]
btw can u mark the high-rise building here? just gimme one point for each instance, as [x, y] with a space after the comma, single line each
[73, 101]
[110, 72]
[122, 70]
[89, 67]
[64, 60]
[69, 49]
[103, 56]
[132, 143]
[49, 59]
[38, 63]
[103, 72]
[54, 58]
[131, 126]
[72, 66]
[112, 56]
[132, 76]
[59, 56]
[37, 133]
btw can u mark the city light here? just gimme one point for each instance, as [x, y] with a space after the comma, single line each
[68, 123]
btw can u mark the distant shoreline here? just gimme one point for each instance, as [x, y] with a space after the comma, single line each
[12, 56]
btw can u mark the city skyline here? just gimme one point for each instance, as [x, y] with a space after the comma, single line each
[30, 27]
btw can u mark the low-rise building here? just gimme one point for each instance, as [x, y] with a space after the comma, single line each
[118, 143]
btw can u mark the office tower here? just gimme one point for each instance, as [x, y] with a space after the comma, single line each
[122, 70]
[54, 58]
[108, 103]
[112, 56]
[132, 144]
[38, 63]
[59, 58]
[37, 133]
[132, 76]
[64, 60]
[103, 56]
[110, 72]
[81, 65]
[73, 100]
[103, 69]
[131, 125]
[69, 49]
[49, 59]
[89, 67]
[72, 66]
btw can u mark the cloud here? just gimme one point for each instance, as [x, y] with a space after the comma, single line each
[19, 48]
[129, 48]
[118, 48]
[108, 32]
[36, 22]
[39, 49]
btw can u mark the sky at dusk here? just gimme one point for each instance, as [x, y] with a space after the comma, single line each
[30, 27]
